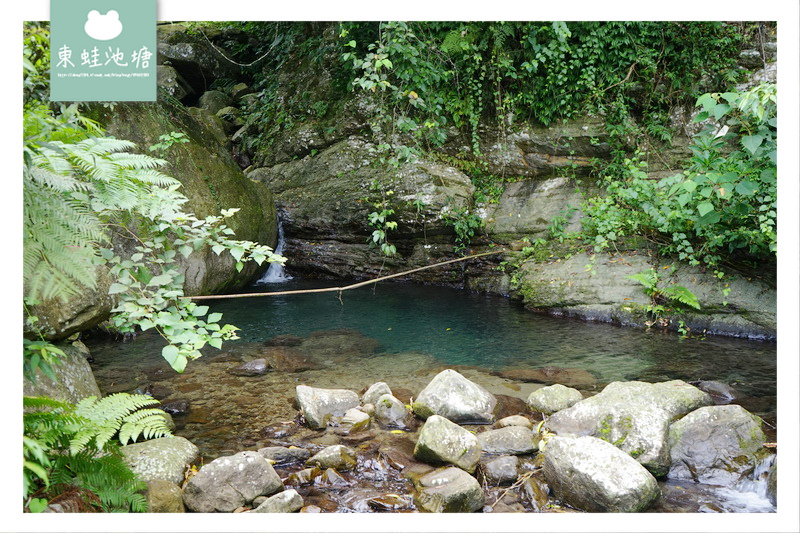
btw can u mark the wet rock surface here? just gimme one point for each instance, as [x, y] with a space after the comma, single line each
[554, 398]
[456, 398]
[448, 490]
[319, 406]
[166, 458]
[515, 440]
[442, 441]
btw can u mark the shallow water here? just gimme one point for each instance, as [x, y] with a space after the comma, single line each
[404, 335]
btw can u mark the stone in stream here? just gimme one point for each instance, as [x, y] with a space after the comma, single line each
[720, 393]
[717, 445]
[285, 340]
[448, 490]
[164, 497]
[375, 391]
[166, 458]
[390, 412]
[230, 482]
[442, 441]
[288, 501]
[338, 456]
[501, 471]
[389, 502]
[319, 406]
[553, 398]
[256, 367]
[283, 455]
[451, 395]
[594, 476]
[633, 416]
[570, 377]
[355, 420]
[515, 420]
[513, 440]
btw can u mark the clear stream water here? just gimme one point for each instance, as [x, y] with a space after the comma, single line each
[404, 334]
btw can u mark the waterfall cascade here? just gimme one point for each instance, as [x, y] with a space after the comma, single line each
[276, 273]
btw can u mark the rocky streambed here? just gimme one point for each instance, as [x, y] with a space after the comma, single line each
[269, 428]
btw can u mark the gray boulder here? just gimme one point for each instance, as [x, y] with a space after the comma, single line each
[718, 445]
[288, 501]
[375, 391]
[549, 400]
[283, 455]
[214, 101]
[338, 456]
[390, 412]
[166, 458]
[451, 395]
[164, 497]
[513, 440]
[592, 475]
[501, 471]
[74, 378]
[442, 441]
[448, 490]
[319, 406]
[228, 483]
[633, 416]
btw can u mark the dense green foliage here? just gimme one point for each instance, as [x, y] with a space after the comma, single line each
[74, 450]
[724, 205]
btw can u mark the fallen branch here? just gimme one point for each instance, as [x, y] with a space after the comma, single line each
[340, 289]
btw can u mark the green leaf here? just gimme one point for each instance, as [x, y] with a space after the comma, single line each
[185, 250]
[214, 317]
[200, 310]
[705, 208]
[36, 505]
[682, 294]
[752, 142]
[237, 252]
[170, 353]
[689, 185]
[117, 288]
[706, 101]
[162, 279]
[720, 110]
[700, 117]
[746, 188]
[216, 343]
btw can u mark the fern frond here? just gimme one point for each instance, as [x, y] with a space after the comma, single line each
[681, 294]
[648, 278]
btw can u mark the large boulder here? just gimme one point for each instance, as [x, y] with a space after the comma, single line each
[442, 441]
[549, 400]
[718, 445]
[230, 482]
[166, 458]
[515, 440]
[634, 416]
[448, 490]
[320, 406]
[592, 475]
[74, 378]
[453, 396]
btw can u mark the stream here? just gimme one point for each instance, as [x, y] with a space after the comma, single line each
[404, 334]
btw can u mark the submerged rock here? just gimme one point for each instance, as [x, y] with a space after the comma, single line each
[256, 367]
[513, 440]
[230, 482]
[389, 502]
[718, 445]
[319, 406]
[720, 393]
[633, 416]
[283, 455]
[166, 458]
[570, 377]
[288, 501]
[451, 395]
[448, 490]
[338, 456]
[593, 475]
[442, 441]
[549, 400]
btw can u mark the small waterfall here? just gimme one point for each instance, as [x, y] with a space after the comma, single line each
[275, 273]
[749, 495]
[758, 481]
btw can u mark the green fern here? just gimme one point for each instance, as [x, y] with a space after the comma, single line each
[66, 446]
[681, 294]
